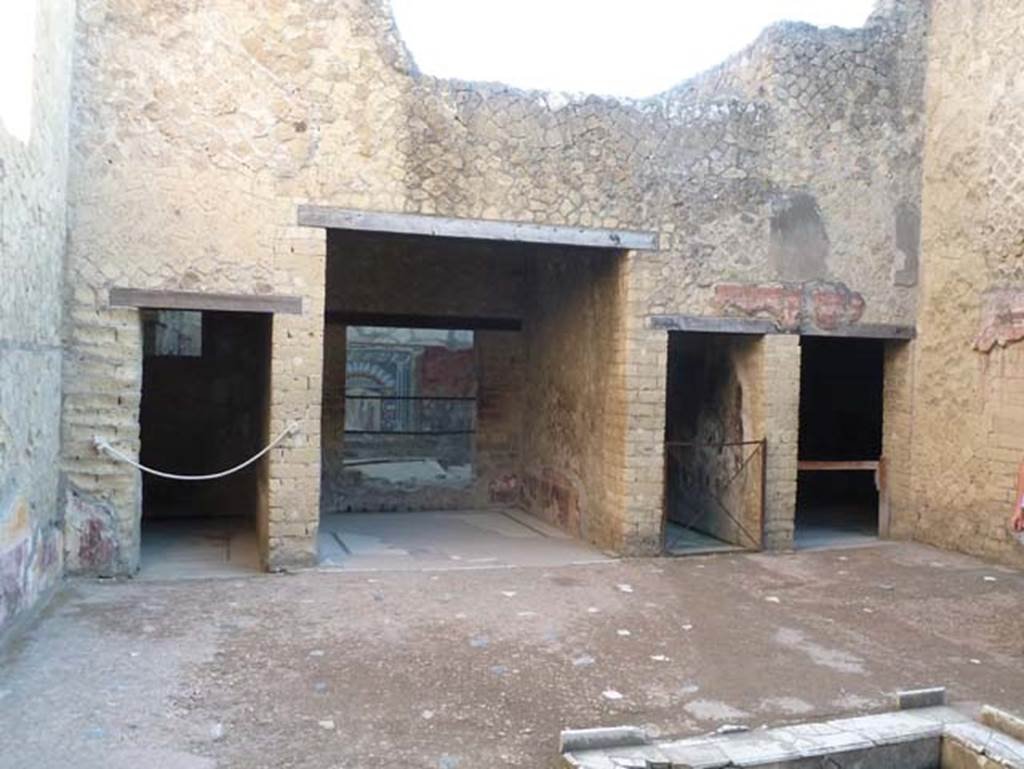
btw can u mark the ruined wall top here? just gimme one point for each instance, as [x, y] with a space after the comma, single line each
[795, 161]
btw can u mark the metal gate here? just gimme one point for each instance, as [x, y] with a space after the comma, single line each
[715, 491]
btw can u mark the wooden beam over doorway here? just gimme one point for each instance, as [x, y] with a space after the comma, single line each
[395, 320]
[715, 324]
[711, 324]
[862, 331]
[158, 299]
[841, 465]
[330, 217]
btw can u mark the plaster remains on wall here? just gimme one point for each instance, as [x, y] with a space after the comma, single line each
[1002, 319]
[962, 411]
[33, 184]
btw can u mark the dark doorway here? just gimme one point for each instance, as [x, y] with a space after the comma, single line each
[205, 408]
[840, 441]
[713, 458]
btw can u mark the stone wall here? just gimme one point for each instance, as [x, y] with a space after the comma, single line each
[784, 181]
[500, 409]
[784, 184]
[966, 375]
[33, 181]
[781, 377]
[897, 432]
[789, 173]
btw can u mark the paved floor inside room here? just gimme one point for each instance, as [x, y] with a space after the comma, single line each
[683, 540]
[835, 525]
[446, 540]
[196, 548]
[468, 668]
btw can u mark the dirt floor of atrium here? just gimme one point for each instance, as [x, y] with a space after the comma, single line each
[481, 667]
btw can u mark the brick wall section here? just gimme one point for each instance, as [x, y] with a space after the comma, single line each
[1002, 451]
[497, 446]
[575, 416]
[646, 365]
[615, 520]
[296, 396]
[102, 381]
[33, 187]
[896, 516]
[781, 408]
[747, 356]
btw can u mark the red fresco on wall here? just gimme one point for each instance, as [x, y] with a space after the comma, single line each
[827, 306]
[1002, 319]
[448, 373]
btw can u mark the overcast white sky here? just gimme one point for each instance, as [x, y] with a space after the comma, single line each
[17, 38]
[618, 47]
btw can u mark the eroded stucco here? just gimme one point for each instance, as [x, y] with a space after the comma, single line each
[961, 420]
[33, 177]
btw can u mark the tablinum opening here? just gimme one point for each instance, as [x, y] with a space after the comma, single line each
[418, 332]
[541, 325]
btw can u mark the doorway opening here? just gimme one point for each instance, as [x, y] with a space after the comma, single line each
[714, 454]
[464, 392]
[205, 407]
[840, 441]
[407, 408]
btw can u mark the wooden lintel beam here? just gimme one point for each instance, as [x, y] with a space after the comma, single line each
[393, 320]
[863, 331]
[713, 324]
[330, 217]
[158, 299]
[839, 465]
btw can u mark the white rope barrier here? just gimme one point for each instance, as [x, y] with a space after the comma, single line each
[106, 448]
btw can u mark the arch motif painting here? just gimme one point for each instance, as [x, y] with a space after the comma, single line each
[378, 370]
